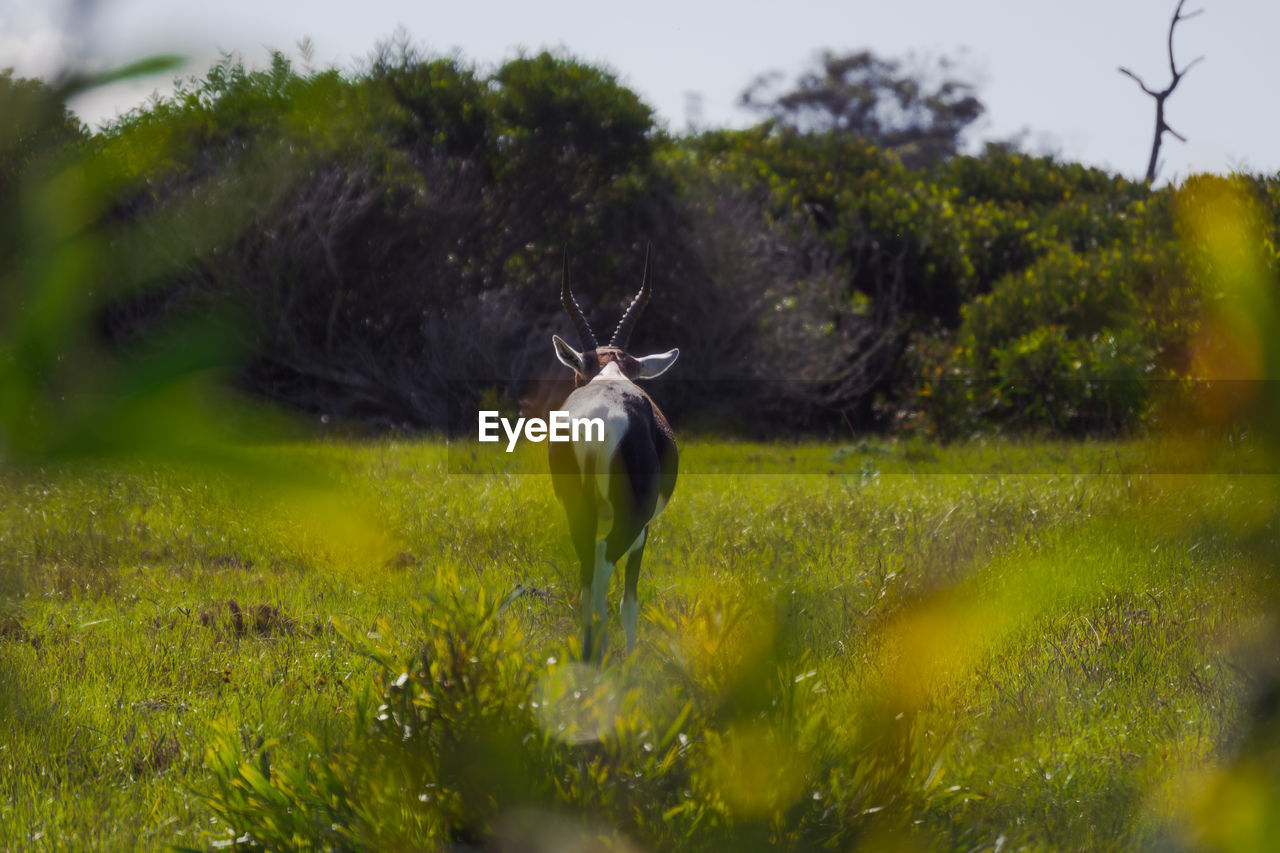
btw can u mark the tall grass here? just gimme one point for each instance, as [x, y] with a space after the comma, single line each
[907, 647]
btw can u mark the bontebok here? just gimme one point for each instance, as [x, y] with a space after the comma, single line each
[612, 489]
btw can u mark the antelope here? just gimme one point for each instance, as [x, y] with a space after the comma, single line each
[612, 489]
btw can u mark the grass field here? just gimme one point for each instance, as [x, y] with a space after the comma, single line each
[880, 643]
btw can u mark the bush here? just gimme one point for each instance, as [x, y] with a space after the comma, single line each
[378, 235]
[1079, 342]
[391, 243]
[471, 740]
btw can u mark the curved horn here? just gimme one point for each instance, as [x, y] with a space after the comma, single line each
[628, 321]
[571, 308]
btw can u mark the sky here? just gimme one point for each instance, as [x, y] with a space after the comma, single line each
[1045, 70]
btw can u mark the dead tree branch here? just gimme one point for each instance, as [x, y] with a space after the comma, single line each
[1162, 126]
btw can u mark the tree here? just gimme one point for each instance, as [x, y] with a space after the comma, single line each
[1160, 97]
[860, 94]
[36, 126]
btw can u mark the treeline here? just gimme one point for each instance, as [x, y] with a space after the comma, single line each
[385, 247]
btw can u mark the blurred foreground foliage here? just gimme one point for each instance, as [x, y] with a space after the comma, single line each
[1229, 230]
[65, 389]
[382, 246]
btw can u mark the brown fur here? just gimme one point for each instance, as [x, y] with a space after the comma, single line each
[595, 360]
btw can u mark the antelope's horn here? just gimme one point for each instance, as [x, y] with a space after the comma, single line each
[571, 308]
[628, 321]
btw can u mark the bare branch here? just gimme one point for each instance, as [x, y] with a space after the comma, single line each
[1161, 126]
[1173, 69]
[1138, 80]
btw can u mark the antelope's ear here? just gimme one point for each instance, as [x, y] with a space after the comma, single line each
[568, 356]
[656, 365]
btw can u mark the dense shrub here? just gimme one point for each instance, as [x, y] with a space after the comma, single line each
[382, 232]
[391, 242]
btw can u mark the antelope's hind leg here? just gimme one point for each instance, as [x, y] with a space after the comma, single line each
[630, 607]
[595, 608]
[590, 562]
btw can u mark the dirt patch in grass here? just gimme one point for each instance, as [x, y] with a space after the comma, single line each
[258, 619]
[12, 629]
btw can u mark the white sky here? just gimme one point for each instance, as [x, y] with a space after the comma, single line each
[1047, 67]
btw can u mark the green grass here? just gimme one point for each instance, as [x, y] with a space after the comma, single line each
[1044, 658]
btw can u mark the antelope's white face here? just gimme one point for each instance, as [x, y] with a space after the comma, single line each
[593, 362]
